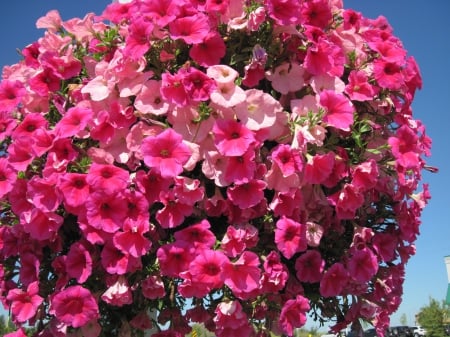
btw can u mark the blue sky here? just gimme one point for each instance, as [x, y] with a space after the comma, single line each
[424, 29]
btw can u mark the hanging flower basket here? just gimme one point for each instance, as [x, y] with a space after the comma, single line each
[247, 165]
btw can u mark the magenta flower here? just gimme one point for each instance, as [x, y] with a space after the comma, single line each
[107, 178]
[78, 262]
[309, 266]
[247, 195]
[293, 314]
[339, 110]
[243, 275]
[334, 280]
[24, 304]
[166, 153]
[209, 51]
[132, 240]
[11, 93]
[290, 237]
[75, 120]
[191, 29]
[232, 138]
[363, 265]
[207, 268]
[74, 306]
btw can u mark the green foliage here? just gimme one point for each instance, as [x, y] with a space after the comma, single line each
[432, 317]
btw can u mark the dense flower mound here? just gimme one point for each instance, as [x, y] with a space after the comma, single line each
[242, 164]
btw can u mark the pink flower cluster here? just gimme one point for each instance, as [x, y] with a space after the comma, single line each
[241, 164]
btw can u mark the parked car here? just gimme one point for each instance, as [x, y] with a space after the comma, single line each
[370, 333]
[419, 331]
[400, 331]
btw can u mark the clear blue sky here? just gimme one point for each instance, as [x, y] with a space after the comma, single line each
[423, 27]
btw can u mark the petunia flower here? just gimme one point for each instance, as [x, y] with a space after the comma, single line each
[166, 153]
[24, 304]
[74, 306]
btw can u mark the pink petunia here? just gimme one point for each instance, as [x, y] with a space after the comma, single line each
[314, 233]
[284, 12]
[166, 153]
[231, 137]
[24, 304]
[149, 100]
[131, 239]
[197, 84]
[153, 287]
[207, 268]
[404, 147]
[74, 121]
[198, 234]
[74, 189]
[309, 266]
[78, 262]
[287, 77]
[108, 179]
[388, 75]
[41, 225]
[8, 177]
[362, 265]
[106, 212]
[174, 258]
[334, 280]
[74, 306]
[319, 167]
[119, 293]
[293, 314]
[287, 159]
[259, 110]
[210, 51]
[248, 194]
[365, 175]
[290, 237]
[240, 169]
[117, 263]
[11, 93]
[359, 88]
[191, 29]
[338, 110]
[242, 276]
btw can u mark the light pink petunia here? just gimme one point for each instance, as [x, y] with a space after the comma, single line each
[259, 110]
[119, 293]
[287, 77]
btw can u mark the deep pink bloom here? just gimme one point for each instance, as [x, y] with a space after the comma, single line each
[365, 175]
[388, 74]
[247, 195]
[75, 120]
[309, 266]
[166, 153]
[78, 262]
[359, 88]
[347, 201]
[317, 13]
[324, 57]
[404, 147]
[131, 239]
[287, 159]
[240, 169]
[207, 268]
[137, 42]
[24, 304]
[338, 110]
[284, 12]
[105, 211]
[238, 238]
[174, 211]
[198, 86]
[29, 125]
[198, 234]
[108, 179]
[173, 90]
[319, 167]
[334, 280]
[293, 314]
[45, 82]
[74, 189]
[74, 306]
[243, 275]
[116, 262]
[41, 225]
[11, 93]
[290, 237]
[174, 258]
[231, 137]
[153, 287]
[8, 177]
[210, 51]
[191, 29]
[362, 265]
